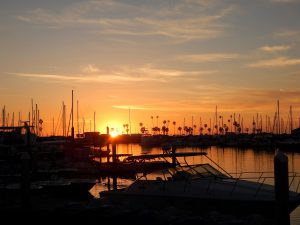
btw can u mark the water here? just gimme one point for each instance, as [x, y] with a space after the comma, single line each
[233, 160]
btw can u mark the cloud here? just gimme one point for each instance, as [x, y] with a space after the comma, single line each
[121, 73]
[251, 100]
[287, 34]
[276, 62]
[131, 107]
[275, 48]
[180, 22]
[210, 57]
[285, 1]
[100, 78]
[90, 68]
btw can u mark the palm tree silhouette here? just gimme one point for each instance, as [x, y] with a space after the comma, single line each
[180, 129]
[174, 124]
[152, 122]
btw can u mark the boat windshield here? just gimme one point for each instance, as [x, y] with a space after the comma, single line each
[196, 171]
[185, 172]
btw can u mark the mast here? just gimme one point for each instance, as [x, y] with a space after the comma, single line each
[217, 119]
[38, 123]
[83, 125]
[94, 121]
[278, 115]
[63, 119]
[77, 119]
[129, 121]
[3, 117]
[32, 115]
[19, 120]
[36, 119]
[29, 118]
[192, 125]
[13, 119]
[291, 116]
[72, 115]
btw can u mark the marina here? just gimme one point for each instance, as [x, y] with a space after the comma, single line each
[169, 112]
[192, 174]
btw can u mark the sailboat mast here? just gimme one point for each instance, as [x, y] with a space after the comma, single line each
[278, 114]
[77, 119]
[94, 121]
[129, 122]
[3, 117]
[72, 129]
[291, 115]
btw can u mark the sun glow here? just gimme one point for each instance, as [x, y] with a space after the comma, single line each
[114, 133]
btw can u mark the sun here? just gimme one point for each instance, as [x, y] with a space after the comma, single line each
[114, 133]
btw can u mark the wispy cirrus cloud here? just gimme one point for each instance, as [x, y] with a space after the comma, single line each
[276, 62]
[285, 1]
[275, 48]
[80, 78]
[91, 73]
[210, 57]
[180, 22]
[287, 33]
[210, 95]
[135, 107]
[90, 68]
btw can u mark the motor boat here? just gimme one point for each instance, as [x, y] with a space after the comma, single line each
[200, 187]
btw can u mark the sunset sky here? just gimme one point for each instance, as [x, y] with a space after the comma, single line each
[174, 59]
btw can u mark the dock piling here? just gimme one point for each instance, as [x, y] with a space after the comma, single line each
[114, 152]
[173, 155]
[281, 189]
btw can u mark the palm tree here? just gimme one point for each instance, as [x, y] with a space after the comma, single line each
[201, 130]
[141, 125]
[163, 130]
[195, 126]
[154, 130]
[143, 130]
[152, 121]
[247, 130]
[180, 129]
[127, 129]
[186, 129]
[174, 124]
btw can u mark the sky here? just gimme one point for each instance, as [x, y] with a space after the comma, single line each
[129, 60]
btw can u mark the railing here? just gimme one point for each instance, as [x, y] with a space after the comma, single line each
[262, 178]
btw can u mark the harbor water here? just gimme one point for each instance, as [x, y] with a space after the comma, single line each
[251, 164]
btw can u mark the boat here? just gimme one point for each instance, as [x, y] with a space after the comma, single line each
[75, 187]
[200, 188]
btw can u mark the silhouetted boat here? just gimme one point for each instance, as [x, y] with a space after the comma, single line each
[200, 187]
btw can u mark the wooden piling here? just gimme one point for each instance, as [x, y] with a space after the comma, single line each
[114, 152]
[281, 189]
[107, 145]
[173, 155]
